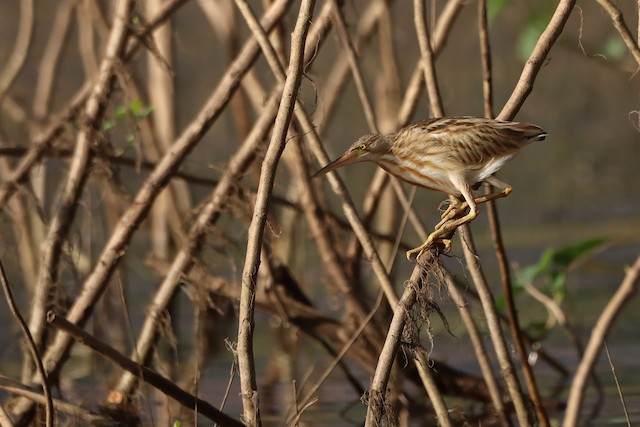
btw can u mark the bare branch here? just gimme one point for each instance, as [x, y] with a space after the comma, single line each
[251, 412]
[623, 295]
[536, 59]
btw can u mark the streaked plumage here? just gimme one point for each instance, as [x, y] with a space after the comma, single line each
[450, 155]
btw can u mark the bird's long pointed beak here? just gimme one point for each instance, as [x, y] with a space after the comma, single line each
[347, 158]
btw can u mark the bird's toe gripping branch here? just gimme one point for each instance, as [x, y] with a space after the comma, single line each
[449, 223]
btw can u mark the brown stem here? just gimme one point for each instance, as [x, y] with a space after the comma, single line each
[51, 58]
[618, 22]
[493, 324]
[514, 323]
[183, 261]
[623, 295]
[485, 56]
[428, 60]
[246, 323]
[536, 59]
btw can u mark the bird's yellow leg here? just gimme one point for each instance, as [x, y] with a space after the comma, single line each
[455, 208]
[447, 223]
[443, 230]
[451, 212]
[492, 196]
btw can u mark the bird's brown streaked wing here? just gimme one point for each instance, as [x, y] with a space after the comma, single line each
[472, 141]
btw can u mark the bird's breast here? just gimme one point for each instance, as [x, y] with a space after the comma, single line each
[422, 174]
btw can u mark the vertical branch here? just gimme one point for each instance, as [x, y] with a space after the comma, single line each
[86, 37]
[485, 57]
[387, 102]
[623, 295]
[51, 58]
[478, 346]
[493, 324]
[20, 48]
[428, 63]
[390, 349]
[161, 97]
[496, 232]
[248, 386]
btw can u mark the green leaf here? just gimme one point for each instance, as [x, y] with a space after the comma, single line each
[528, 39]
[108, 125]
[176, 423]
[614, 48]
[494, 7]
[135, 106]
[569, 254]
[121, 112]
[144, 113]
[559, 286]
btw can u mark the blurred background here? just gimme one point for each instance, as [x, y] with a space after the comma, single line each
[577, 191]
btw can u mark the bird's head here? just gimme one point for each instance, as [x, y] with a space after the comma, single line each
[366, 148]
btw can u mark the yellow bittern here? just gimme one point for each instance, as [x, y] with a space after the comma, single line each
[452, 155]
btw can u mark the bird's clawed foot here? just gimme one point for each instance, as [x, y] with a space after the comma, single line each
[433, 239]
[454, 210]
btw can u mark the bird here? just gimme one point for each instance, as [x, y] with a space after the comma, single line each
[452, 155]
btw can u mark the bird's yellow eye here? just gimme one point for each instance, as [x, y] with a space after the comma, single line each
[362, 147]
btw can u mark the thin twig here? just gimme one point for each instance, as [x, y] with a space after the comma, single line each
[246, 323]
[51, 58]
[485, 57]
[618, 22]
[514, 323]
[311, 208]
[625, 292]
[615, 378]
[435, 397]
[50, 416]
